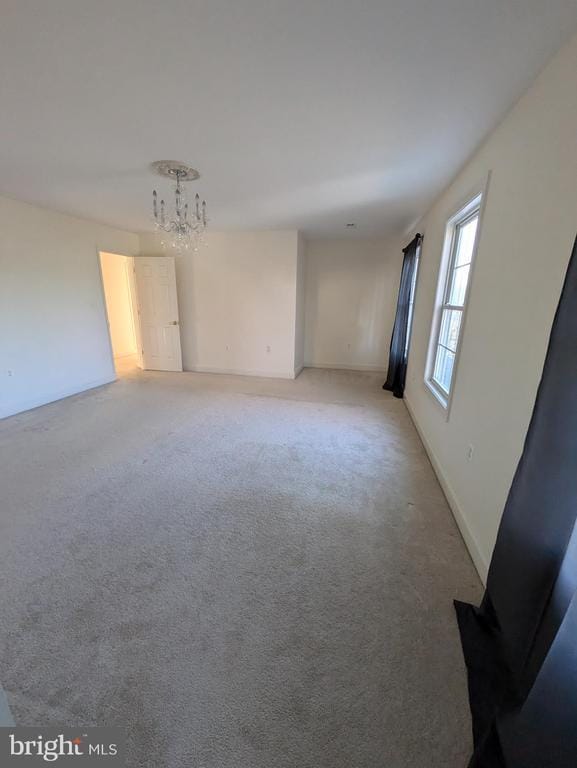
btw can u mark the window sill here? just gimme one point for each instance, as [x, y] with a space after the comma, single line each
[439, 398]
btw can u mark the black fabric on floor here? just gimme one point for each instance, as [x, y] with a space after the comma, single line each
[488, 674]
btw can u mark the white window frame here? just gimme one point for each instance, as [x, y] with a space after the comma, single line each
[475, 204]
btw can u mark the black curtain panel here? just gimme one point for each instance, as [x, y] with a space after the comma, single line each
[397, 371]
[520, 646]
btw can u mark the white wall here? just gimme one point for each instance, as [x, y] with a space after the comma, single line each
[53, 336]
[118, 303]
[237, 302]
[351, 294]
[525, 243]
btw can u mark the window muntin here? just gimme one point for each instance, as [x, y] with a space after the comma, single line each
[462, 233]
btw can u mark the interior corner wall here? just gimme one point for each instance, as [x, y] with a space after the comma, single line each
[53, 336]
[351, 294]
[525, 242]
[300, 306]
[237, 302]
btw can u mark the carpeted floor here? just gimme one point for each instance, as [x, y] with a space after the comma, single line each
[245, 573]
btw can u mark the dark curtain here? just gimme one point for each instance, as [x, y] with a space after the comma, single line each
[520, 646]
[397, 371]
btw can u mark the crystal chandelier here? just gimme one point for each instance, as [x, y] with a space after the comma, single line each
[184, 230]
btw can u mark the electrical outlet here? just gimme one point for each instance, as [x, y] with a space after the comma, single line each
[9, 373]
[470, 451]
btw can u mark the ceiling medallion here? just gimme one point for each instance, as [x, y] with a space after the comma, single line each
[183, 231]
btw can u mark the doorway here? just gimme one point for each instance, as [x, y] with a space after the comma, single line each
[119, 294]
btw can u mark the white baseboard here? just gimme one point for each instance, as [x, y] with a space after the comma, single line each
[242, 372]
[476, 556]
[298, 370]
[52, 397]
[345, 367]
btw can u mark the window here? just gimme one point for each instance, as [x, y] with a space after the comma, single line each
[460, 242]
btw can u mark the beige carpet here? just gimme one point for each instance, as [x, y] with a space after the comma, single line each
[245, 573]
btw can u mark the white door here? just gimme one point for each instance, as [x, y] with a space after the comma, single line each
[158, 313]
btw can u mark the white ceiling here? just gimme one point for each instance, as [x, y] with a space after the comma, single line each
[299, 113]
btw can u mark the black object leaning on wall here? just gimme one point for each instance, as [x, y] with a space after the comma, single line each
[397, 371]
[520, 646]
